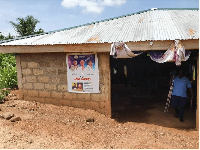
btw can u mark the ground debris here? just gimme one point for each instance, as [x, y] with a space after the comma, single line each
[7, 116]
[14, 119]
[90, 120]
[2, 101]
[63, 127]
[12, 105]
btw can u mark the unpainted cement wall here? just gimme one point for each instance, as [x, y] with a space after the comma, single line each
[43, 77]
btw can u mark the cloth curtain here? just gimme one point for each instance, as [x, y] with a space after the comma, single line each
[175, 53]
[121, 50]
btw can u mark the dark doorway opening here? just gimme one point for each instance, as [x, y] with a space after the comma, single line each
[139, 89]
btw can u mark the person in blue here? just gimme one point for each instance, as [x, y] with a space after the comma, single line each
[179, 94]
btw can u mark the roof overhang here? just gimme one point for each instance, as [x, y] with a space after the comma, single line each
[192, 44]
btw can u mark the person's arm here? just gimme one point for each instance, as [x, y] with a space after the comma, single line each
[170, 81]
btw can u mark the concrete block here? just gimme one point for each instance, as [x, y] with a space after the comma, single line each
[26, 72]
[57, 64]
[92, 105]
[25, 92]
[43, 79]
[84, 96]
[78, 104]
[50, 71]
[38, 72]
[62, 71]
[21, 94]
[98, 97]
[102, 105]
[56, 94]
[55, 79]
[32, 64]
[69, 96]
[50, 87]
[62, 88]
[27, 86]
[44, 64]
[33, 93]
[44, 94]
[64, 79]
[62, 102]
[24, 65]
[23, 80]
[38, 86]
[30, 78]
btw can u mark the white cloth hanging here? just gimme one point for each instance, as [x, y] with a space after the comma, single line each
[175, 53]
[121, 50]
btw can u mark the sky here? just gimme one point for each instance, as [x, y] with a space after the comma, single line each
[60, 14]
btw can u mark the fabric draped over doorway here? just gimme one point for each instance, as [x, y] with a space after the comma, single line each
[176, 53]
[121, 50]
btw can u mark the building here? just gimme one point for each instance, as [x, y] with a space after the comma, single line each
[41, 61]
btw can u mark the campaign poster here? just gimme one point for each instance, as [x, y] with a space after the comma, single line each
[82, 73]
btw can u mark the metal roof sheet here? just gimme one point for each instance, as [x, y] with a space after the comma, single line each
[149, 25]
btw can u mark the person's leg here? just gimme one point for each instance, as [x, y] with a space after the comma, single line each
[183, 101]
[175, 103]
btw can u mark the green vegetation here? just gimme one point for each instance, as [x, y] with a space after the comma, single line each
[8, 72]
[2, 37]
[3, 94]
[26, 26]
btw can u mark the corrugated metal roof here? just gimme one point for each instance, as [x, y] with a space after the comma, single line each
[149, 25]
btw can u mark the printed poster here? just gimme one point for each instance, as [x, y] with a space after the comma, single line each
[83, 73]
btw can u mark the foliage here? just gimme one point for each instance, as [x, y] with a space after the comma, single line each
[8, 71]
[26, 26]
[3, 94]
[2, 37]
[9, 36]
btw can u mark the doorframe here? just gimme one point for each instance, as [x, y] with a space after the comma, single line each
[197, 109]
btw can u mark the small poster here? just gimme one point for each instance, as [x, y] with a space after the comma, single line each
[83, 73]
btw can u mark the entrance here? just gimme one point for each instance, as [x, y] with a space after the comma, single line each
[139, 89]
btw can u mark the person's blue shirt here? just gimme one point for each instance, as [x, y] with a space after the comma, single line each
[180, 86]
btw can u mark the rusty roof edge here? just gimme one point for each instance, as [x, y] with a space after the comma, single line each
[139, 12]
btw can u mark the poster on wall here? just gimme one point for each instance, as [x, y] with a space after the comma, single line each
[82, 73]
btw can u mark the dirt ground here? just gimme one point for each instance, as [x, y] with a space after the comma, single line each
[47, 126]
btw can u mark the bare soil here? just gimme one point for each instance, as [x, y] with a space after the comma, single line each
[47, 126]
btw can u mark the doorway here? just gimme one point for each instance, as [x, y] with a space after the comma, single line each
[139, 89]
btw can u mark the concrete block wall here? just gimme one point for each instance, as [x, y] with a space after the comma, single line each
[43, 77]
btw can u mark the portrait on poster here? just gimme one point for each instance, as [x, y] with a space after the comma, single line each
[83, 73]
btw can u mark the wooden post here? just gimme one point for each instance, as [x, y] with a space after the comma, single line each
[107, 82]
[19, 75]
[109, 87]
[197, 110]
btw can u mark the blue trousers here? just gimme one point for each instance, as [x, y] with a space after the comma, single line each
[179, 105]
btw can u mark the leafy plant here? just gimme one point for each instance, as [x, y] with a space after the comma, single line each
[4, 93]
[26, 26]
[2, 37]
[8, 71]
